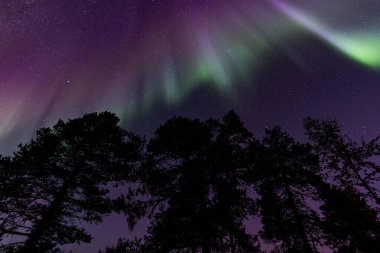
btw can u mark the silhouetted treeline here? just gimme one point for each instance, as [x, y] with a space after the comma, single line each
[203, 185]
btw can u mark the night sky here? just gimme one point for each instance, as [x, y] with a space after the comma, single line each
[274, 62]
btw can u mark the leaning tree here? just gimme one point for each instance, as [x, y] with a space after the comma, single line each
[65, 174]
[345, 162]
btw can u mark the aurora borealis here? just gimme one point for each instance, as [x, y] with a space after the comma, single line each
[64, 58]
[273, 61]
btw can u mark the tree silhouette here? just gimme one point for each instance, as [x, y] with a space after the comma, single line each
[67, 170]
[349, 223]
[14, 205]
[193, 172]
[126, 246]
[5, 195]
[198, 182]
[346, 163]
[9, 201]
[284, 175]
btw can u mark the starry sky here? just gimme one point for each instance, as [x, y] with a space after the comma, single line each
[272, 61]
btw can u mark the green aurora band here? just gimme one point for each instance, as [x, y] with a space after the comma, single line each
[157, 53]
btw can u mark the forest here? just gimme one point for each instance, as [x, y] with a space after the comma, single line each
[204, 186]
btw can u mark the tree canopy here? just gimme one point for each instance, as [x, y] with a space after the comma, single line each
[285, 176]
[195, 168]
[64, 174]
[203, 185]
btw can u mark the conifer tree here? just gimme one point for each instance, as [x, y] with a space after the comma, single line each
[348, 164]
[284, 175]
[349, 223]
[194, 168]
[67, 170]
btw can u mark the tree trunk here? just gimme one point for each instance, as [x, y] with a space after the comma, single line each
[347, 158]
[306, 248]
[365, 185]
[51, 214]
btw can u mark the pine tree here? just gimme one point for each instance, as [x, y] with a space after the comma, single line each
[67, 170]
[349, 223]
[284, 175]
[345, 162]
[11, 195]
[195, 169]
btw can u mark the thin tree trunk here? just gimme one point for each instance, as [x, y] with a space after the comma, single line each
[364, 184]
[299, 223]
[52, 212]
